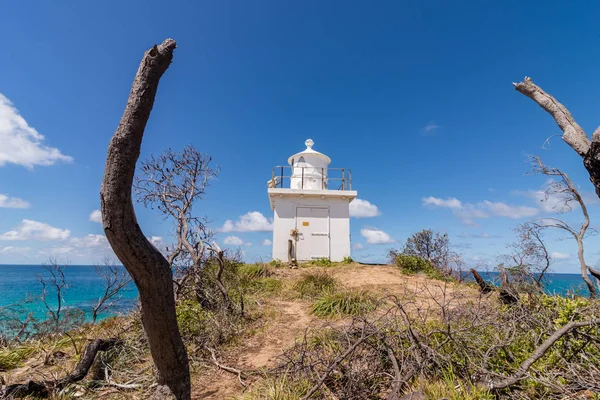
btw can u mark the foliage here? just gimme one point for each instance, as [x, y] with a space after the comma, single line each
[347, 303]
[347, 260]
[12, 357]
[276, 263]
[281, 388]
[316, 283]
[248, 272]
[322, 262]
[414, 265]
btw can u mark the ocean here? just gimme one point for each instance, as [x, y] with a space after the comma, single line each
[19, 284]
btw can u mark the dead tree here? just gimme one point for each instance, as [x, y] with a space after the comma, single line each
[174, 182]
[147, 266]
[115, 280]
[565, 191]
[484, 287]
[43, 389]
[573, 134]
[56, 280]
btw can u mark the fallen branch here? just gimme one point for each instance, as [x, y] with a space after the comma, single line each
[226, 368]
[43, 389]
[539, 353]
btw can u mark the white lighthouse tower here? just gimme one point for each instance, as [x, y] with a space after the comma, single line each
[311, 204]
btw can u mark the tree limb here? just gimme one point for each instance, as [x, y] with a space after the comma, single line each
[573, 134]
[539, 353]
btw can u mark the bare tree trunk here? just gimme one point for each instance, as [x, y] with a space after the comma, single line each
[146, 265]
[584, 269]
[484, 287]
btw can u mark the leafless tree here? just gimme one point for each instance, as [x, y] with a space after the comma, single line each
[564, 191]
[115, 280]
[573, 134]
[528, 257]
[56, 281]
[174, 182]
[149, 269]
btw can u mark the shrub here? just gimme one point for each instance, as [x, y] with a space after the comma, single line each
[322, 262]
[315, 284]
[276, 262]
[347, 260]
[349, 303]
[415, 265]
[264, 286]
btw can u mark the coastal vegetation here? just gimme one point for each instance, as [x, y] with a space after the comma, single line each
[211, 326]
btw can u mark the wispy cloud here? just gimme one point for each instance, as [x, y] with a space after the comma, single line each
[253, 221]
[467, 213]
[267, 242]
[12, 202]
[559, 256]
[33, 230]
[357, 246]
[360, 208]
[430, 129]
[22, 144]
[481, 235]
[376, 236]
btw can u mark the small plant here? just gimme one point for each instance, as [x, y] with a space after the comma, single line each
[276, 263]
[281, 388]
[415, 265]
[249, 272]
[322, 262]
[12, 358]
[315, 284]
[264, 286]
[347, 260]
[350, 303]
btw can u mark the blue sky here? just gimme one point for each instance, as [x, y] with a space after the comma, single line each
[415, 97]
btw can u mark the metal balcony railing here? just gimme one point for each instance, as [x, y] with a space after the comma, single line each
[311, 178]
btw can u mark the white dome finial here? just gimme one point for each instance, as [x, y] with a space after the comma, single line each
[309, 143]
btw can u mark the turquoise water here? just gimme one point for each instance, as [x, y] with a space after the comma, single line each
[19, 284]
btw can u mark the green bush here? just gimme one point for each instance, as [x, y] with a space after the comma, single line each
[322, 262]
[315, 284]
[349, 303]
[347, 260]
[415, 265]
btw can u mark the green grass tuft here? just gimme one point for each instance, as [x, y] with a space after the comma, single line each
[12, 358]
[350, 303]
[315, 284]
[248, 272]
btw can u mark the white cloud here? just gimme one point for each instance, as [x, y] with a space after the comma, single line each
[96, 216]
[15, 250]
[450, 202]
[559, 256]
[250, 222]
[12, 202]
[267, 242]
[157, 241]
[363, 209]
[235, 241]
[467, 213]
[22, 144]
[357, 246]
[89, 241]
[35, 230]
[375, 236]
[430, 128]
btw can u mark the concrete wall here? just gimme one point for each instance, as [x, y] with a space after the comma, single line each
[285, 220]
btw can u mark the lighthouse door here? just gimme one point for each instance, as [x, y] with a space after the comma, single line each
[312, 224]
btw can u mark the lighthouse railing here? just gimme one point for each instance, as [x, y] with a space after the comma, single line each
[311, 178]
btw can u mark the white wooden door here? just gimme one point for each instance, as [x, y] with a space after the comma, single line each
[312, 224]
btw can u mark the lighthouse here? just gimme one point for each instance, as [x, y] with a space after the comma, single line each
[311, 206]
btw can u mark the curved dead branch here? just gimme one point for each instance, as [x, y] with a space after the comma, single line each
[43, 389]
